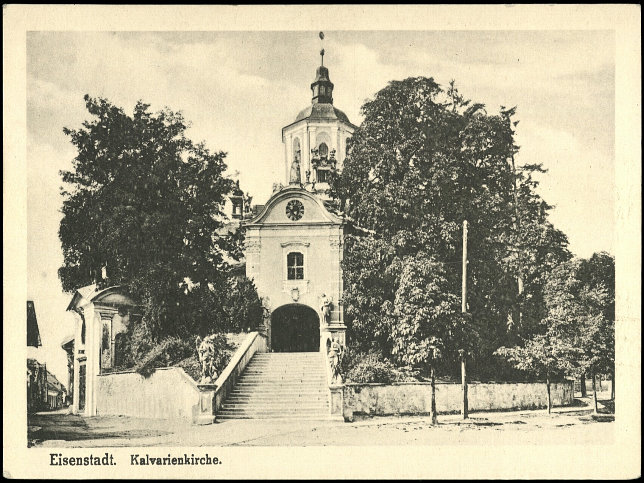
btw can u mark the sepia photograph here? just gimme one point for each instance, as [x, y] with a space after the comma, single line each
[316, 238]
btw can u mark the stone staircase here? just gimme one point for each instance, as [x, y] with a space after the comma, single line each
[282, 385]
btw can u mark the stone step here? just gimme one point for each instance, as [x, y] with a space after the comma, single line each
[280, 397]
[308, 361]
[275, 413]
[315, 417]
[285, 360]
[279, 389]
[286, 380]
[310, 417]
[285, 383]
[270, 372]
[286, 368]
[280, 386]
[264, 388]
[302, 356]
[279, 380]
[281, 402]
[290, 370]
[285, 408]
[272, 394]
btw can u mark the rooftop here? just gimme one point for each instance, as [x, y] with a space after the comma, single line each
[322, 112]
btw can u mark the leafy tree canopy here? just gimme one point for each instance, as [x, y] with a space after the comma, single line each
[144, 203]
[580, 299]
[423, 161]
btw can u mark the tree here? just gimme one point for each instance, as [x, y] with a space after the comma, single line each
[369, 290]
[143, 202]
[578, 333]
[545, 355]
[243, 305]
[423, 160]
[426, 311]
[590, 300]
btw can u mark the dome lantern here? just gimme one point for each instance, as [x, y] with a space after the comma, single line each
[322, 87]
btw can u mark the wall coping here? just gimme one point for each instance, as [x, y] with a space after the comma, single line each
[424, 383]
[236, 359]
[177, 369]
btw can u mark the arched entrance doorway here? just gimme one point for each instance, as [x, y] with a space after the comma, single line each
[295, 328]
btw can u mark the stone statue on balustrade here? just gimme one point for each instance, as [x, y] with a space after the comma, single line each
[335, 353]
[325, 309]
[206, 353]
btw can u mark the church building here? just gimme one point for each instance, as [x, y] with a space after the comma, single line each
[294, 244]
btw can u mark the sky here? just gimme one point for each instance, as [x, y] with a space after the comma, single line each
[238, 89]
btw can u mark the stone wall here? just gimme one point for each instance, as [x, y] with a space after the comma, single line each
[415, 398]
[169, 393]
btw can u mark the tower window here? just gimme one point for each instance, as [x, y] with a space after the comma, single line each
[295, 266]
[323, 175]
[323, 150]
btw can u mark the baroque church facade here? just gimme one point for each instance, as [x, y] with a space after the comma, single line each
[294, 243]
[293, 253]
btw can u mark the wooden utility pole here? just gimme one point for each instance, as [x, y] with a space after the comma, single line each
[464, 408]
[462, 353]
[433, 385]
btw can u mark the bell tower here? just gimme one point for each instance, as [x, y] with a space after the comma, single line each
[315, 144]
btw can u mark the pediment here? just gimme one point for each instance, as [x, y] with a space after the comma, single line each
[112, 296]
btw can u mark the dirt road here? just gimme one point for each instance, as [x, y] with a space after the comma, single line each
[565, 425]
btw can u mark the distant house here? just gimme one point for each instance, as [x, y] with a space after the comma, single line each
[44, 390]
[33, 334]
[68, 347]
[56, 392]
[36, 386]
[36, 372]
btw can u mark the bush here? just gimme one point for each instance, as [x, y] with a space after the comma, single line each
[223, 351]
[191, 366]
[371, 367]
[167, 353]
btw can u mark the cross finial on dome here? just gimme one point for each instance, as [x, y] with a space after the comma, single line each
[322, 43]
[322, 87]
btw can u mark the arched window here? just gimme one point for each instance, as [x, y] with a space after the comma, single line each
[297, 151]
[295, 266]
[323, 150]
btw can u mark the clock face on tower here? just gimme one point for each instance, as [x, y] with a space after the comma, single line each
[294, 210]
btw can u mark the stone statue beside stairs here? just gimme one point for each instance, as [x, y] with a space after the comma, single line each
[206, 353]
[335, 354]
[325, 308]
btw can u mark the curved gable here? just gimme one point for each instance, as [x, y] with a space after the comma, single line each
[274, 212]
[114, 296]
